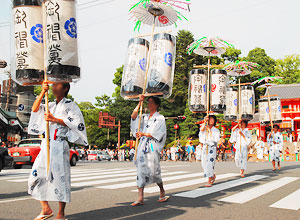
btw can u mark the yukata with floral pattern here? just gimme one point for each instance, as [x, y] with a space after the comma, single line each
[148, 153]
[276, 148]
[56, 185]
[209, 141]
[241, 146]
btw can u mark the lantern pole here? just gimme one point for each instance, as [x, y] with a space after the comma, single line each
[144, 88]
[240, 112]
[47, 135]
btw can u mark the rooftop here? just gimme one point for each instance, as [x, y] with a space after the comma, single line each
[286, 91]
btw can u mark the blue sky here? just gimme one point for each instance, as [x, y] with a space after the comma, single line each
[105, 29]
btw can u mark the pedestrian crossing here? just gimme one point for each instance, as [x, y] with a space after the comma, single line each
[234, 190]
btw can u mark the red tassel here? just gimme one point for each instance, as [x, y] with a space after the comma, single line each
[55, 133]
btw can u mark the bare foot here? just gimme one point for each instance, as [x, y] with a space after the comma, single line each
[60, 216]
[162, 194]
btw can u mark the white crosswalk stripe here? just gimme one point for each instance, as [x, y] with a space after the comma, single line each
[219, 187]
[187, 183]
[99, 182]
[291, 202]
[258, 191]
[166, 179]
[85, 176]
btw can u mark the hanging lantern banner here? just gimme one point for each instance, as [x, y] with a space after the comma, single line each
[264, 111]
[61, 40]
[162, 65]
[28, 55]
[247, 102]
[218, 90]
[135, 67]
[198, 90]
[231, 113]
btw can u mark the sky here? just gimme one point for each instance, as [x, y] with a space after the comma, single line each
[104, 29]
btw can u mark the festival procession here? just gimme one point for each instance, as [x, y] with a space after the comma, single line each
[149, 109]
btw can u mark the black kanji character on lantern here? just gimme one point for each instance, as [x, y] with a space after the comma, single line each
[21, 60]
[54, 56]
[52, 9]
[21, 40]
[20, 17]
[53, 31]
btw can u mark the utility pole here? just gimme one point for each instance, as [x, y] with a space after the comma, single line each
[8, 91]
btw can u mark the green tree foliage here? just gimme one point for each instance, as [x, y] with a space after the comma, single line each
[289, 69]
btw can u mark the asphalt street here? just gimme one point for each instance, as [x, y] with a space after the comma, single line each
[104, 190]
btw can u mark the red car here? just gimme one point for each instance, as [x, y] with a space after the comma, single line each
[27, 151]
[92, 155]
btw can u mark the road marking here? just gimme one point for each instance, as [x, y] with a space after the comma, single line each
[291, 202]
[130, 184]
[15, 177]
[219, 187]
[98, 182]
[19, 180]
[113, 175]
[187, 183]
[14, 200]
[258, 191]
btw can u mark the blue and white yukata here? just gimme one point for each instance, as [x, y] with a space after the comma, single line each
[260, 145]
[275, 149]
[148, 153]
[56, 186]
[241, 146]
[210, 142]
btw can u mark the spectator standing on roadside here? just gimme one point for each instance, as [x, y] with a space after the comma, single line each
[131, 154]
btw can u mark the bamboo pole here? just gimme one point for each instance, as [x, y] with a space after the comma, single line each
[47, 123]
[47, 135]
[270, 108]
[206, 66]
[240, 113]
[144, 89]
[207, 96]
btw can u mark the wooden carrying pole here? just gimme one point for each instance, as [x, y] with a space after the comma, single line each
[144, 89]
[240, 113]
[207, 95]
[47, 125]
[270, 108]
[47, 135]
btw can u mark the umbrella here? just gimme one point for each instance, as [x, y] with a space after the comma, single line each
[209, 46]
[240, 68]
[165, 15]
[267, 79]
[267, 85]
[145, 11]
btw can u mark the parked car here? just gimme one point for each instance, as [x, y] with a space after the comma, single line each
[27, 151]
[103, 156]
[5, 159]
[92, 155]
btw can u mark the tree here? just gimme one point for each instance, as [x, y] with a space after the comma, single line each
[231, 55]
[289, 69]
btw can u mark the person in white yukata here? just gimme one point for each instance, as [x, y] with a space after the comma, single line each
[152, 137]
[260, 145]
[209, 136]
[275, 141]
[66, 123]
[242, 137]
